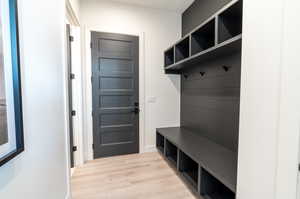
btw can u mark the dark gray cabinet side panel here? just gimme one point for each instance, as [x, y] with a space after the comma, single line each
[198, 12]
[210, 100]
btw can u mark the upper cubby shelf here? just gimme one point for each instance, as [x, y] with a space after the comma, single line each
[169, 57]
[219, 35]
[182, 49]
[230, 22]
[203, 38]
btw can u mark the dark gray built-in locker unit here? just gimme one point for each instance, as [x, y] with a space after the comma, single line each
[204, 149]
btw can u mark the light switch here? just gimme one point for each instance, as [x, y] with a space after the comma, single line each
[152, 100]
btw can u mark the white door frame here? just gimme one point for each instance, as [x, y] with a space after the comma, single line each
[77, 89]
[289, 115]
[87, 89]
[270, 101]
[70, 18]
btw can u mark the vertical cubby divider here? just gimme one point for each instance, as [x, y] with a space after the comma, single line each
[171, 153]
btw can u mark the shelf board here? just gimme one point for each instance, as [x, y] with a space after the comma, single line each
[226, 48]
[216, 159]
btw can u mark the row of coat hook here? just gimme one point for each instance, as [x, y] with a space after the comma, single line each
[202, 73]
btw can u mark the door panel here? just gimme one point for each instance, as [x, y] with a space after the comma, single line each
[116, 49]
[116, 83]
[115, 94]
[115, 66]
[115, 101]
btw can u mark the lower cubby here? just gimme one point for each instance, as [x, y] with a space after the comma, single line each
[208, 169]
[189, 169]
[171, 153]
[211, 188]
[160, 142]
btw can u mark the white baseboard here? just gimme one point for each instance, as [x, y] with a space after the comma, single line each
[72, 171]
[151, 148]
[68, 196]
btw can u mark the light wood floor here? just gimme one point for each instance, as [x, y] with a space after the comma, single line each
[139, 176]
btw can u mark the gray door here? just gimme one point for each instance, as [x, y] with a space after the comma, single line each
[115, 87]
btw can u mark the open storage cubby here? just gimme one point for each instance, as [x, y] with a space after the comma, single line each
[160, 142]
[169, 57]
[230, 22]
[211, 188]
[196, 151]
[171, 153]
[189, 168]
[220, 35]
[182, 49]
[203, 38]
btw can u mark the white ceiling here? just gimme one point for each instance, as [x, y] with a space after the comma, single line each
[173, 5]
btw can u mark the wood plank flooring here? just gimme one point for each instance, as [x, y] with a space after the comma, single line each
[138, 176]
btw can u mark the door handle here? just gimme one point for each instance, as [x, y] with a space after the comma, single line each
[136, 110]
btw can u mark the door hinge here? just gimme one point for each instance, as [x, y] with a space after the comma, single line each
[72, 76]
[73, 113]
[92, 79]
[71, 38]
[93, 146]
[91, 44]
[74, 148]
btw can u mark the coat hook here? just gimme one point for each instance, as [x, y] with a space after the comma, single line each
[185, 76]
[226, 68]
[202, 73]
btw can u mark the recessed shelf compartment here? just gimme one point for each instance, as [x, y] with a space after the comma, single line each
[203, 38]
[171, 153]
[160, 142]
[189, 168]
[169, 57]
[230, 22]
[211, 188]
[182, 49]
[220, 35]
[226, 48]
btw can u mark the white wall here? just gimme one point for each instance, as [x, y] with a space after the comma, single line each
[269, 117]
[41, 171]
[160, 29]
